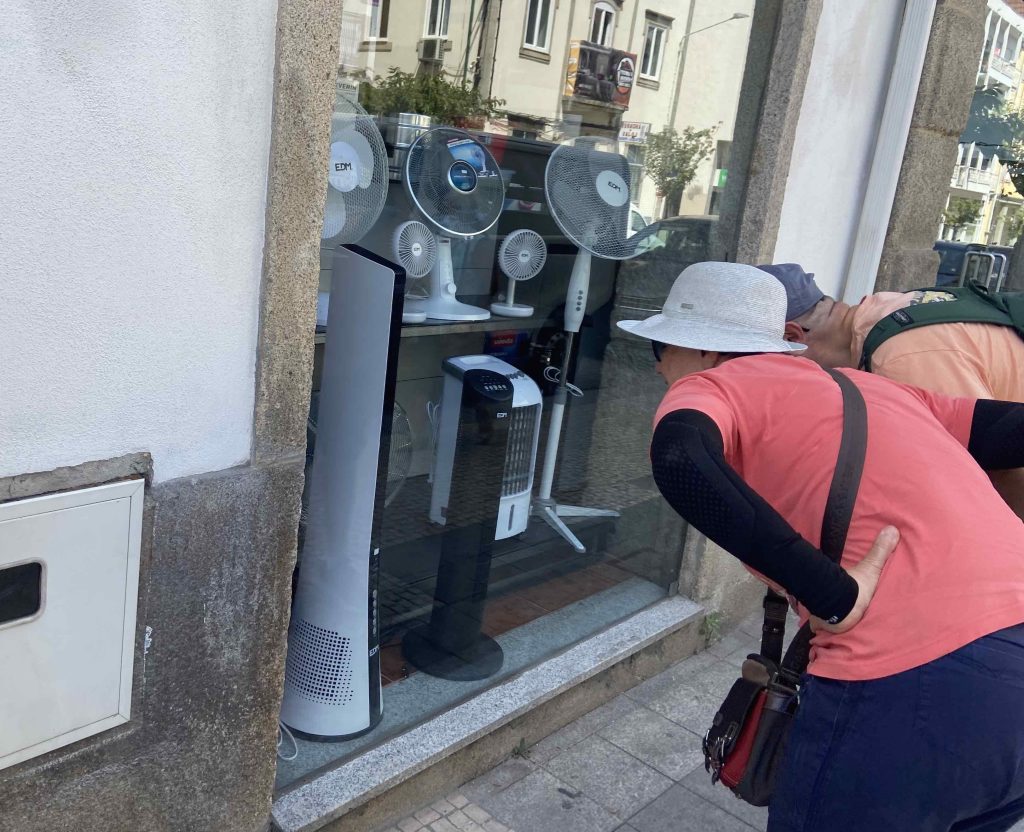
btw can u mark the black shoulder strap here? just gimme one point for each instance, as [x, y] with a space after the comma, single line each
[842, 497]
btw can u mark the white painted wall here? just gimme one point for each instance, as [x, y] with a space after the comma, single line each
[836, 134]
[135, 140]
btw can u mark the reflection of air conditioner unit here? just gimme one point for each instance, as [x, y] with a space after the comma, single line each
[431, 50]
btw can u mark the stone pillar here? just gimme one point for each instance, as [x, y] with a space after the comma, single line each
[940, 114]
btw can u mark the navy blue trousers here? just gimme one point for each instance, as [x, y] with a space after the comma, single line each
[939, 748]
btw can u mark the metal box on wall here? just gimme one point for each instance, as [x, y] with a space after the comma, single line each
[69, 578]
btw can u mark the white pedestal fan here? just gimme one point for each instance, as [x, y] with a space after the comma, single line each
[521, 257]
[453, 180]
[587, 187]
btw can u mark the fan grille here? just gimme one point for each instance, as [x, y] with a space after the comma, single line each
[523, 254]
[350, 212]
[415, 247]
[588, 195]
[319, 664]
[428, 180]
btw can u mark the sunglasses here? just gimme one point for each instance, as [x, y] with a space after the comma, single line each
[657, 347]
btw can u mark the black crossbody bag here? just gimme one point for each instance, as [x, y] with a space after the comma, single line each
[746, 744]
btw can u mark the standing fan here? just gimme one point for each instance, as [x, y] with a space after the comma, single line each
[521, 257]
[587, 187]
[332, 672]
[455, 183]
[355, 190]
[415, 248]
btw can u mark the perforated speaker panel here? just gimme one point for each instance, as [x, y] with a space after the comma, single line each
[319, 664]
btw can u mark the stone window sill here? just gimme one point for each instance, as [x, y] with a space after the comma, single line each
[376, 45]
[649, 83]
[534, 55]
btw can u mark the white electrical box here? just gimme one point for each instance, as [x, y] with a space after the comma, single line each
[69, 585]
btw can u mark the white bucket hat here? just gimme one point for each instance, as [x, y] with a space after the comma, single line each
[721, 307]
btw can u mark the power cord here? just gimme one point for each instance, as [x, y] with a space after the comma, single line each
[553, 374]
[282, 732]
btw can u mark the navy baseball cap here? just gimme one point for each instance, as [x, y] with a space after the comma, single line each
[801, 290]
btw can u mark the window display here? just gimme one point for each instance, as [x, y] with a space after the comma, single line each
[494, 422]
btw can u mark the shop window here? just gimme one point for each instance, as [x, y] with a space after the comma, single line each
[654, 45]
[602, 25]
[475, 579]
[538, 21]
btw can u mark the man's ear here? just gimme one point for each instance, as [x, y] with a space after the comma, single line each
[795, 333]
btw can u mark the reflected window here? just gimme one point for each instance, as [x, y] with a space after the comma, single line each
[538, 19]
[602, 25]
[635, 157]
[378, 25]
[654, 46]
[437, 19]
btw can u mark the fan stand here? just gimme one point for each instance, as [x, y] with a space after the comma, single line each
[508, 308]
[544, 506]
[442, 304]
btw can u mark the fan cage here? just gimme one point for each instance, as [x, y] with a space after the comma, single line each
[570, 182]
[522, 255]
[407, 236]
[429, 186]
[362, 206]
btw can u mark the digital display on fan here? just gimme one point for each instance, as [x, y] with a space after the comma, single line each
[462, 176]
[470, 164]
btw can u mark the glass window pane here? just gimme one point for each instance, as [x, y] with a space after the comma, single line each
[468, 477]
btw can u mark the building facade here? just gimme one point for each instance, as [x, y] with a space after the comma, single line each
[170, 340]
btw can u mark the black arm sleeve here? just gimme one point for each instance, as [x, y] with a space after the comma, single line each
[997, 435]
[692, 474]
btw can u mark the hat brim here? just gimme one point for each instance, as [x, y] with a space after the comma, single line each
[698, 333]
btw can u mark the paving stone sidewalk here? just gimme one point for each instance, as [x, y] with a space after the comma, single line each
[632, 765]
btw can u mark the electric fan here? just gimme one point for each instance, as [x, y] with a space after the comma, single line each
[521, 257]
[415, 248]
[356, 191]
[453, 180]
[332, 672]
[587, 188]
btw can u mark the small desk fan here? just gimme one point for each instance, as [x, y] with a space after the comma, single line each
[521, 257]
[415, 248]
[453, 180]
[587, 188]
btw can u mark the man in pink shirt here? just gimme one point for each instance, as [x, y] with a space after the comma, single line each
[982, 361]
[911, 717]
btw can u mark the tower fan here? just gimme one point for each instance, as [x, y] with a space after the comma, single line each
[456, 185]
[587, 188]
[521, 257]
[482, 475]
[332, 673]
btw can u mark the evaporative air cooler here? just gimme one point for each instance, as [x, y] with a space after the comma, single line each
[485, 451]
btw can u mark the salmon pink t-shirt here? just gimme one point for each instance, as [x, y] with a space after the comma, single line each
[958, 571]
[978, 360]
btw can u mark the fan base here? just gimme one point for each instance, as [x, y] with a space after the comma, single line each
[512, 310]
[409, 317]
[446, 309]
